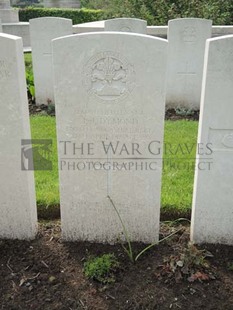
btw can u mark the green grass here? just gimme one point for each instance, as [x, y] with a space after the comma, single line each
[28, 61]
[29, 74]
[47, 184]
[177, 182]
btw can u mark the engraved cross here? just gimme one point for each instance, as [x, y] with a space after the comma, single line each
[187, 71]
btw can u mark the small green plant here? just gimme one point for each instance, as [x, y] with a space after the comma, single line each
[230, 266]
[51, 109]
[190, 264]
[129, 251]
[29, 75]
[101, 268]
[30, 84]
[184, 112]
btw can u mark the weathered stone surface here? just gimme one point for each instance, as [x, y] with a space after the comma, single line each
[17, 193]
[19, 30]
[5, 4]
[212, 214]
[126, 25]
[42, 31]
[7, 14]
[186, 47]
[110, 90]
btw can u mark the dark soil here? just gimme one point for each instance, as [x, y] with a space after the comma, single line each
[48, 274]
[177, 114]
[42, 109]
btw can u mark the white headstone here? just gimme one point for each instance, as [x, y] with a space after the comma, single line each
[212, 217]
[186, 48]
[5, 4]
[107, 93]
[126, 25]
[18, 218]
[75, 4]
[7, 14]
[42, 31]
[62, 4]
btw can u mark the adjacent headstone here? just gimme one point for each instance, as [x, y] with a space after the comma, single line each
[5, 4]
[62, 4]
[186, 48]
[7, 14]
[126, 25]
[42, 31]
[0, 25]
[109, 95]
[212, 214]
[18, 218]
[19, 30]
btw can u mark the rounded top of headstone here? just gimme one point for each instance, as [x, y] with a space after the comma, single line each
[5, 4]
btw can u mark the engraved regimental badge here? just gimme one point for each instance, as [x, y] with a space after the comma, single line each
[227, 141]
[125, 29]
[189, 34]
[109, 77]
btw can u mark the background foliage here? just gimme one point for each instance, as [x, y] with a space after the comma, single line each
[156, 12]
[159, 12]
[77, 16]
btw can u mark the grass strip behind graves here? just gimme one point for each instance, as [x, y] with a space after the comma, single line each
[178, 173]
[47, 182]
[180, 138]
